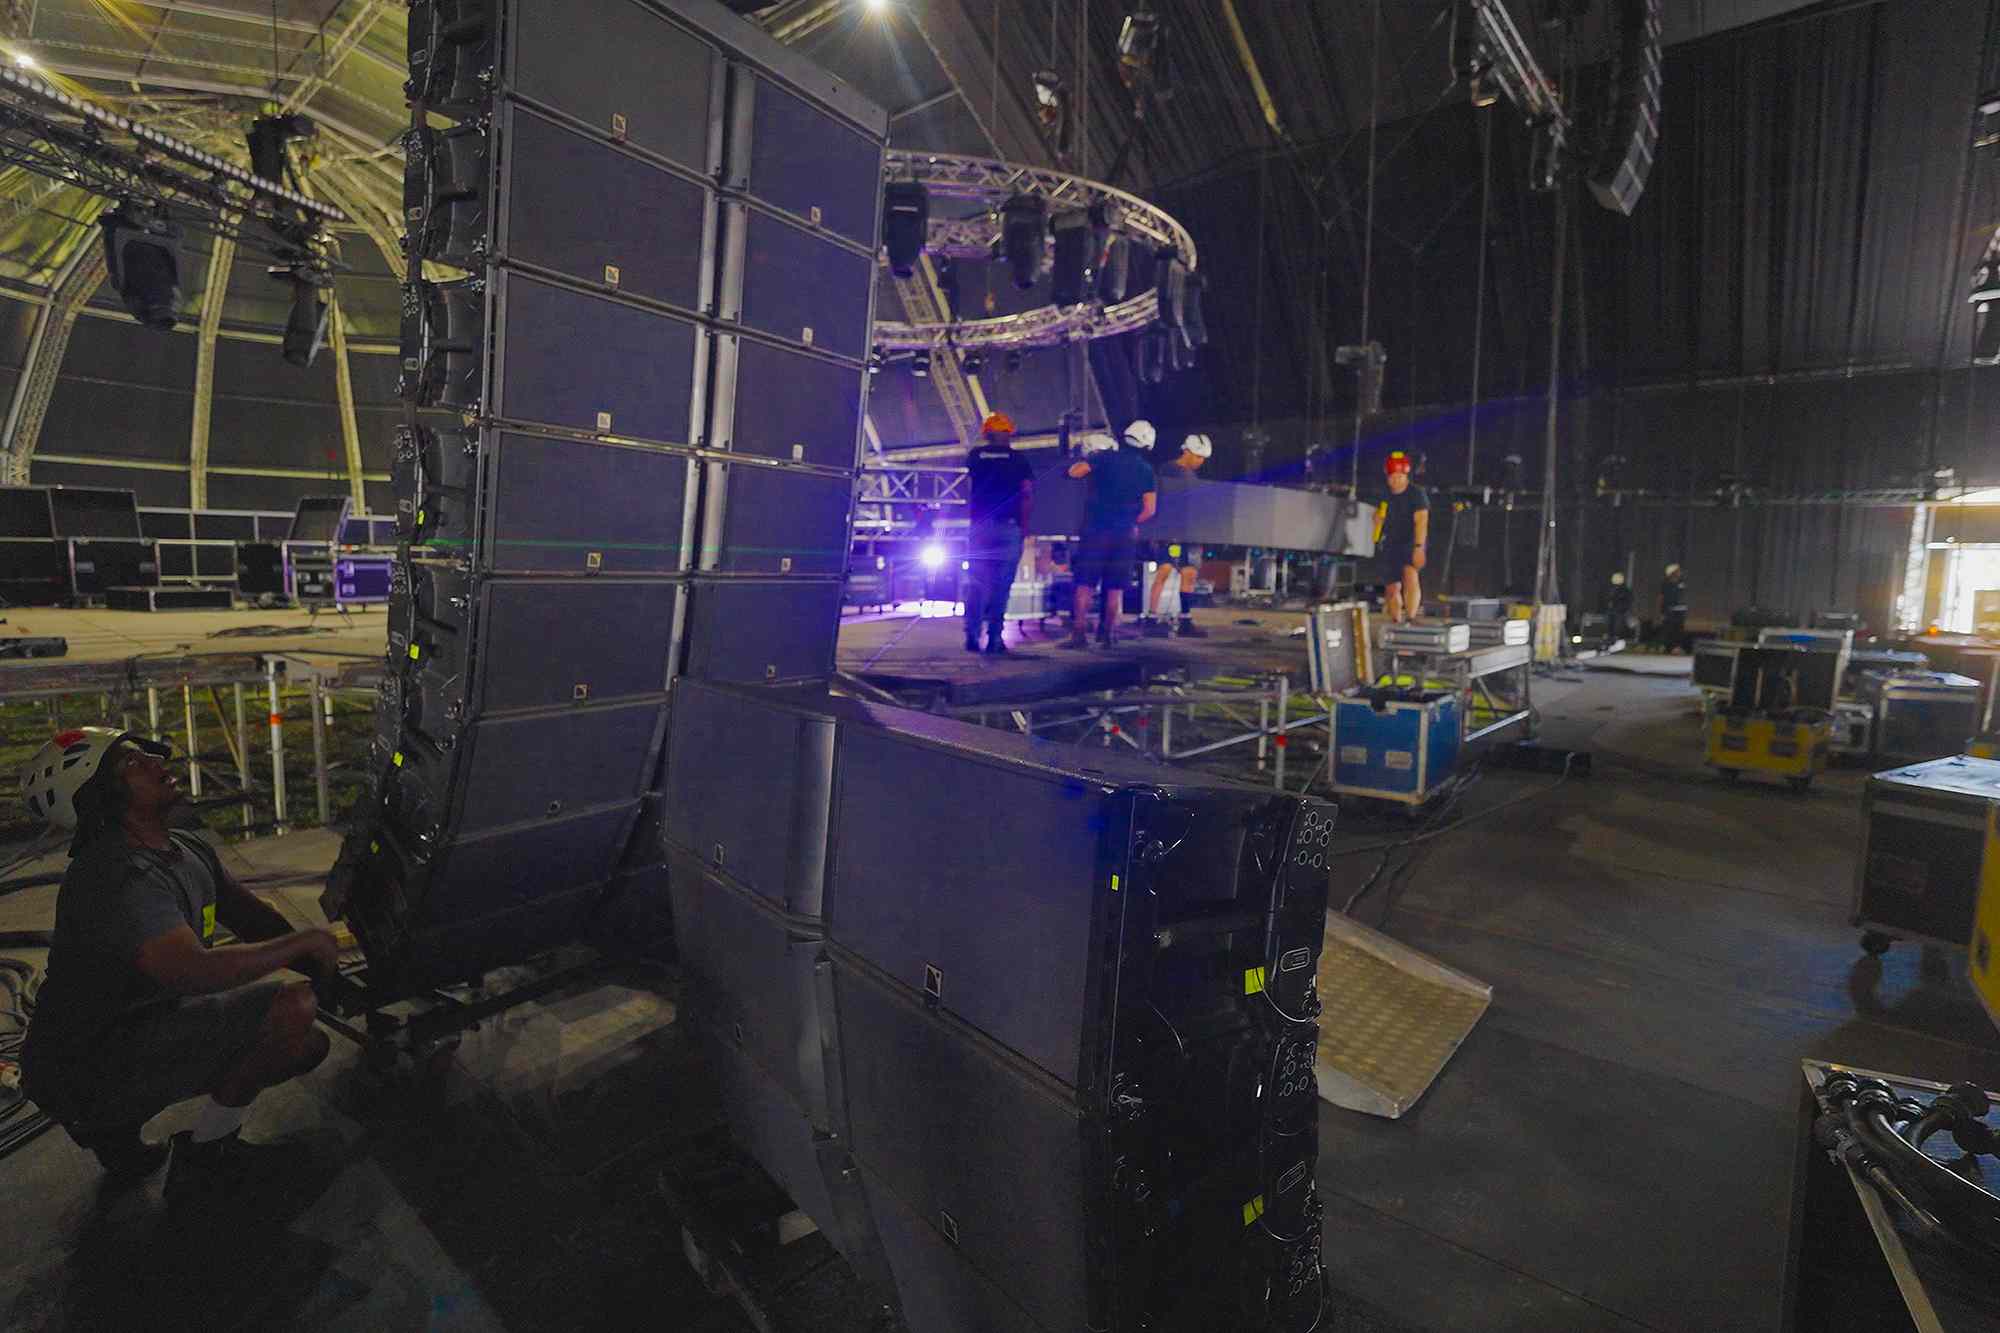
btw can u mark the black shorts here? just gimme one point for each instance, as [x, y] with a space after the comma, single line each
[149, 1060]
[1106, 559]
[1390, 562]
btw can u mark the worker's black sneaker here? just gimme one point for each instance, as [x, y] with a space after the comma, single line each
[972, 642]
[1155, 629]
[1190, 630]
[995, 646]
[228, 1166]
[1076, 643]
[121, 1152]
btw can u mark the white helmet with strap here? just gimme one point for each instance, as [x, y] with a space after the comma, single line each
[1198, 445]
[1141, 435]
[61, 768]
[1096, 442]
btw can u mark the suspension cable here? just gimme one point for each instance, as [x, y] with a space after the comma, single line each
[1368, 222]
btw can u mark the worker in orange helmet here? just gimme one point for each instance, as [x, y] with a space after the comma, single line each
[1402, 529]
[1001, 501]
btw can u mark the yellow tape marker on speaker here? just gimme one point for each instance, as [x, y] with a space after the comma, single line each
[1253, 981]
[1253, 1210]
[1986, 923]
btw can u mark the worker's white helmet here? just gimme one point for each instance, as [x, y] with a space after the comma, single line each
[61, 768]
[1141, 435]
[1096, 442]
[1673, 570]
[1198, 445]
[1617, 580]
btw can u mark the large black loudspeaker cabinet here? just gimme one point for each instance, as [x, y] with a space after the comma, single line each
[1058, 1008]
[1630, 128]
[630, 449]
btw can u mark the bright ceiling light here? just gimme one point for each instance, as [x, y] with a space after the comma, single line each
[876, 6]
[24, 60]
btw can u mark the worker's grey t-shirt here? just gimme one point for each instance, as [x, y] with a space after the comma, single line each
[114, 898]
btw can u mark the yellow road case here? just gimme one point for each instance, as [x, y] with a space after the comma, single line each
[1757, 743]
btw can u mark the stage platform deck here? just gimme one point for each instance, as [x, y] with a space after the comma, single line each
[148, 647]
[901, 651]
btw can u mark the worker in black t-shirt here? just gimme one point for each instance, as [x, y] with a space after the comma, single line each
[1002, 498]
[1123, 494]
[1402, 527]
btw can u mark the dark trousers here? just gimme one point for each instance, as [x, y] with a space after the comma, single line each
[991, 554]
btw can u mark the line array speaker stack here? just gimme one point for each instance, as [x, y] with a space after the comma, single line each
[1056, 1011]
[632, 431]
[1631, 125]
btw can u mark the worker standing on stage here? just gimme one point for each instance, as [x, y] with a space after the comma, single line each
[1673, 609]
[142, 1007]
[1402, 528]
[1618, 607]
[1123, 494]
[1177, 563]
[1002, 501]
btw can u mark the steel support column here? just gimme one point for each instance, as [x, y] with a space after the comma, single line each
[213, 294]
[350, 426]
[46, 346]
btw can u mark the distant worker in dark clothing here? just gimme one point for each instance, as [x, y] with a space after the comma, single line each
[1673, 610]
[1178, 563]
[1618, 607]
[1002, 501]
[1402, 528]
[141, 1008]
[1123, 494]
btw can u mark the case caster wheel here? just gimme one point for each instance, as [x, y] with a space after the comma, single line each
[1874, 943]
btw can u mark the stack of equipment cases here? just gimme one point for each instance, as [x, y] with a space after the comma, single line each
[1498, 634]
[1928, 849]
[106, 546]
[1922, 714]
[1058, 1011]
[1429, 636]
[1400, 746]
[1778, 719]
[34, 566]
[634, 325]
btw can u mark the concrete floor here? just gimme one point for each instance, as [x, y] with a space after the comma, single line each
[1610, 1149]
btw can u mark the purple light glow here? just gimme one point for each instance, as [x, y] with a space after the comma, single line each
[932, 556]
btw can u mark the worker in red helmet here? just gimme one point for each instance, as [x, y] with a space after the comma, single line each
[1402, 529]
[1001, 501]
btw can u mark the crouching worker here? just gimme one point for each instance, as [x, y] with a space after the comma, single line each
[141, 1008]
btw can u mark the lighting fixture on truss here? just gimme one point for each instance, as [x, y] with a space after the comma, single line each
[46, 131]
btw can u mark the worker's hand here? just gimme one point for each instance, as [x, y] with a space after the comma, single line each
[320, 952]
[1079, 470]
[1417, 558]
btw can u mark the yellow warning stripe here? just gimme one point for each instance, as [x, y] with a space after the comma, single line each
[1253, 981]
[1253, 1210]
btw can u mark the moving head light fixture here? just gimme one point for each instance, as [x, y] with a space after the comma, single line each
[142, 249]
[906, 220]
[1024, 221]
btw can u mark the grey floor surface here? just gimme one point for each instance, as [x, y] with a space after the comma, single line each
[1610, 1149]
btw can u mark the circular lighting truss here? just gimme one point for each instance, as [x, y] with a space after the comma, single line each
[990, 183]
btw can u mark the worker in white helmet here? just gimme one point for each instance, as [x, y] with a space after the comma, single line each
[142, 1008]
[1177, 564]
[1123, 495]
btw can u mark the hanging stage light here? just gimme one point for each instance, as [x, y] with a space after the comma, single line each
[145, 265]
[1192, 322]
[1023, 224]
[1011, 363]
[973, 363]
[305, 328]
[906, 220]
[920, 365]
[268, 137]
[1114, 272]
[1138, 45]
[1070, 273]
